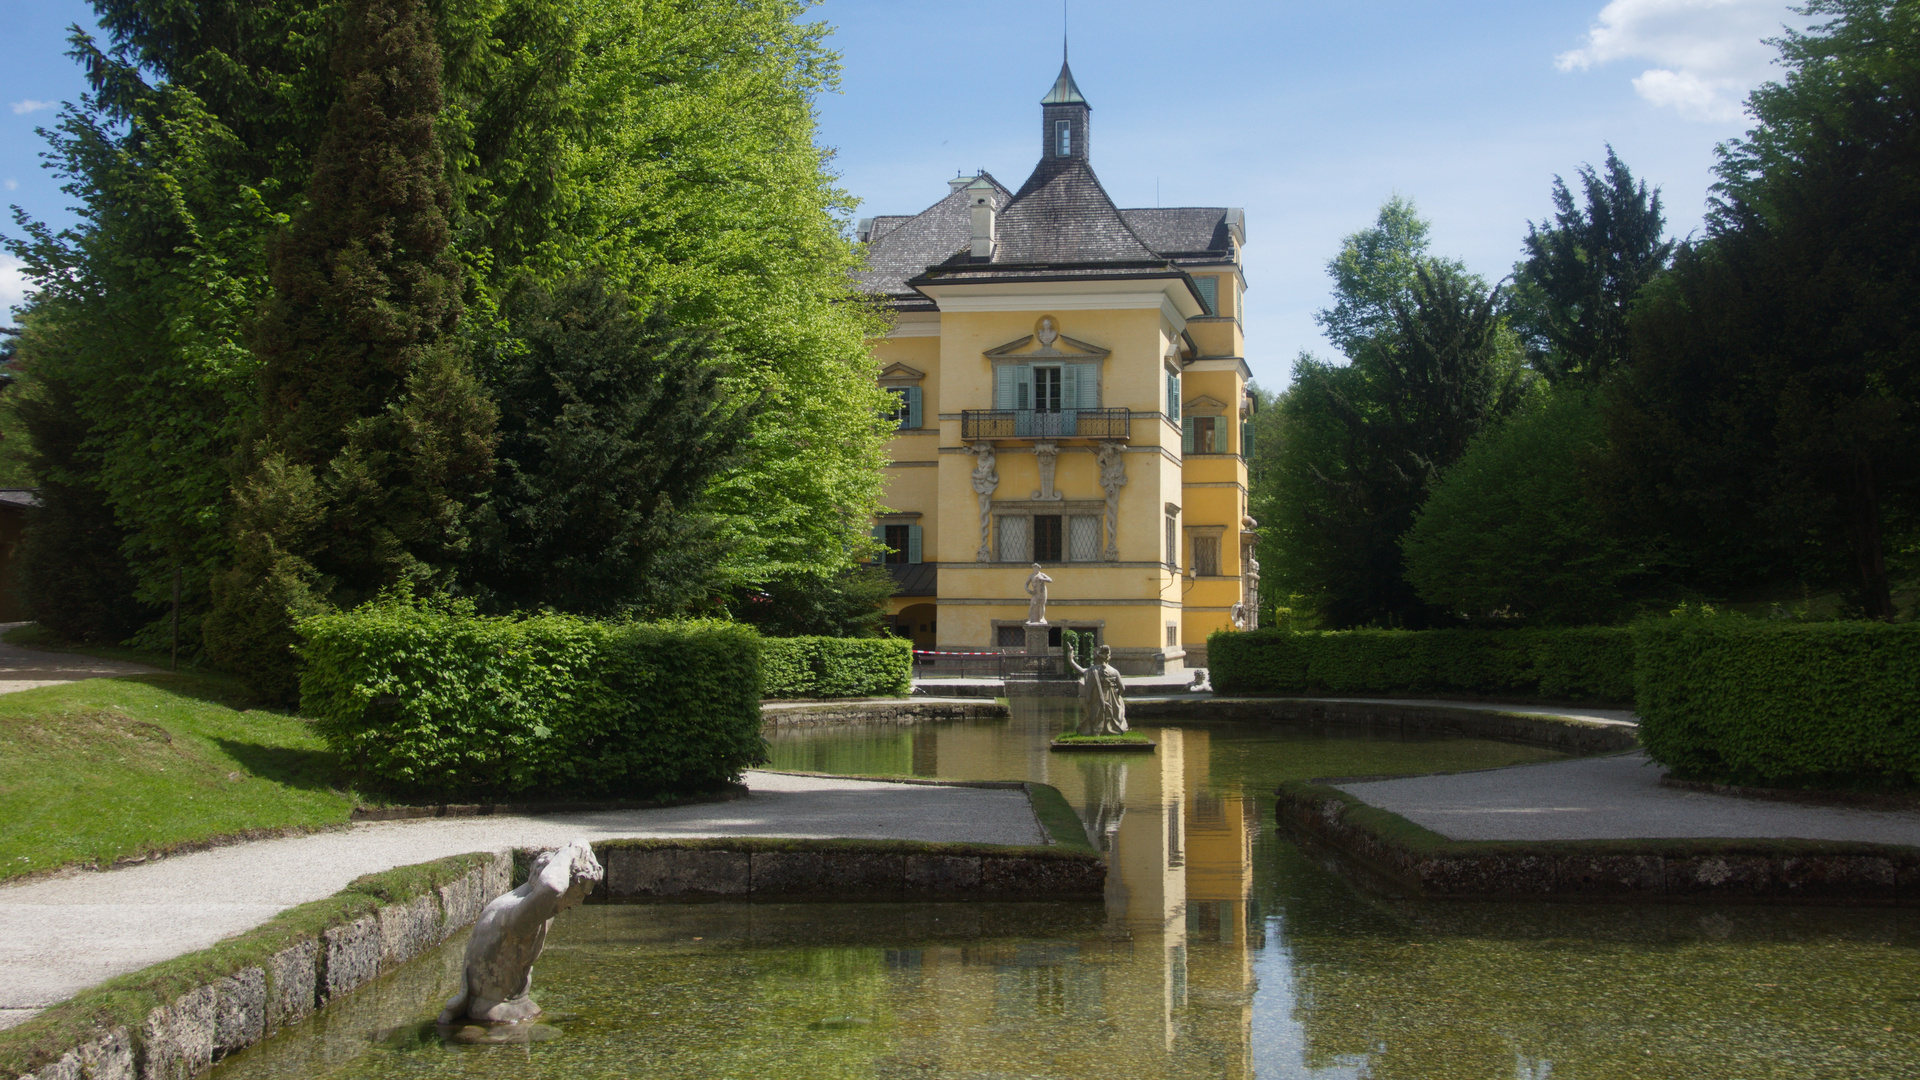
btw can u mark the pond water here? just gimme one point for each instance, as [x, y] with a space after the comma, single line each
[1221, 950]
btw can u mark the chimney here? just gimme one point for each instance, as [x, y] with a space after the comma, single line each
[980, 195]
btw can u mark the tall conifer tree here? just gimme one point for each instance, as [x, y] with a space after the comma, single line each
[373, 438]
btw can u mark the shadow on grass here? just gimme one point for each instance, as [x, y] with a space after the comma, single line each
[308, 770]
[210, 687]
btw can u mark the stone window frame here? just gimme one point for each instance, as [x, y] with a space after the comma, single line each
[1172, 539]
[1098, 626]
[1066, 508]
[1218, 533]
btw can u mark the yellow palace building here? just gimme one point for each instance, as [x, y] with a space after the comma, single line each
[1072, 392]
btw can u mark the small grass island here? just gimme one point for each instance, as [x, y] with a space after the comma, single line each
[1132, 741]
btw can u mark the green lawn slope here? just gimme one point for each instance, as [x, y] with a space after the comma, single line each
[120, 768]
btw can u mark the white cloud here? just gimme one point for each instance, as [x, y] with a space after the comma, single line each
[30, 105]
[13, 286]
[12, 184]
[1707, 53]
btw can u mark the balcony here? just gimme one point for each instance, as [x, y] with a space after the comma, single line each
[977, 424]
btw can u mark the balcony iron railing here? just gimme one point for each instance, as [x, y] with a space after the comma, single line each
[976, 424]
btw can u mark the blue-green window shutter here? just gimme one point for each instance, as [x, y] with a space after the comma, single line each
[913, 407]
[1246, 439]
[1023, 386]
[913, 543]
[1069, 386]
[880, 537]
[1089, 386]
[1173, 396]
[1186, 435]
[1003, 386]
[1210, 292]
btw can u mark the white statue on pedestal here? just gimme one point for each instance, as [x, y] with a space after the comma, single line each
[510, 933]
[1037, 589]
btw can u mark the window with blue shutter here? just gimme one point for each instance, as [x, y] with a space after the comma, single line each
[1003, 386]
[1246, 439]
[914, 543]
[1023, 386]
[1173, 396]
[912, 419]
[880, 537]
[1089, 386]
[1210, 292]
[1186, 435]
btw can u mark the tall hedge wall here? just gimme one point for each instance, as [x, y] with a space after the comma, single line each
[825, 667]
[1573, 664]
[1829, 704]
[444, 704]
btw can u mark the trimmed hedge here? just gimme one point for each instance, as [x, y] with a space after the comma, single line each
[1803, 704]
[439, 703]
[828, 667]
[1572, 664]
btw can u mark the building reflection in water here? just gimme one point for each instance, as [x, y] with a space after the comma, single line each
[1169, 981]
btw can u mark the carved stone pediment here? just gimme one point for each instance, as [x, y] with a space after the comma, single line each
[1049, 343]
[898, 374]
[1205, 406]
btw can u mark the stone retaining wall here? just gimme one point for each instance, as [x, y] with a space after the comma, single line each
[186, 1036]
[1560, 733]
[648, 870]
[901, 711]
[1399, 856]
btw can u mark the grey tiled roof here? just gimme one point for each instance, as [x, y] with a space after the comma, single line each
[1182, 230]
[911, 244]
[915, 579]
[1062, 215]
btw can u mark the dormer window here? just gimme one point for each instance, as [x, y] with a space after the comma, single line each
[1063, 138]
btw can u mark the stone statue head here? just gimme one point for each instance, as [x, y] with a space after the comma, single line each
[1102, 654]
[583, 870]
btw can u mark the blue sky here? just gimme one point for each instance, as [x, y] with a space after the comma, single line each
[1306, 115]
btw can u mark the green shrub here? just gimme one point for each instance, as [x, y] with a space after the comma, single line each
[1821, 704]
[828, 667]
[440, 703]
[1571, 664]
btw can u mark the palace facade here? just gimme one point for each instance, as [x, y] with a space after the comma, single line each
[1072, 392]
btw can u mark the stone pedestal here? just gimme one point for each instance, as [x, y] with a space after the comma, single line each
[1037, 639]
[1030, 683]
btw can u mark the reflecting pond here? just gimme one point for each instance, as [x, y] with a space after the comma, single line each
[1221, 951]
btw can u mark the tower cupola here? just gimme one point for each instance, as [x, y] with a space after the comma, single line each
[1063, 121]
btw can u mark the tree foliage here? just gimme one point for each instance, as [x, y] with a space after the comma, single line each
[612, 426]
[373, 437]
[1573, 292]
[1768, 427]
[1513, 531]
[667, 144]
[1360, 445]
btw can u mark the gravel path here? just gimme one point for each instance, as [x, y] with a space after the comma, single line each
[24, 669]
[61, 935]
[1610, 798]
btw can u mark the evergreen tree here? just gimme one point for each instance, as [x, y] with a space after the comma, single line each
[1770, 417]
[612, 427]
[374, 438]
[1582, 272]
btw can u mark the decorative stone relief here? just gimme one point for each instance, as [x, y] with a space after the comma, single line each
[1048, 455]
[1113, 477]
[1250, 578]
[985, 480]
[510, 933]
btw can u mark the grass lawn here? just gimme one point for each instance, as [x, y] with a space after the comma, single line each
[103, 769]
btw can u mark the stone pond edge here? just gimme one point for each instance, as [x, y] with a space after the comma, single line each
[176, 1019]
[1392, 854]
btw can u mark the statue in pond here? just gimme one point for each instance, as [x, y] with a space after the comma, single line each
[1103, 709]
[510, 933]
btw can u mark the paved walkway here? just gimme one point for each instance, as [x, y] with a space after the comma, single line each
[24, 669]
[1609, 798]
[61, 935]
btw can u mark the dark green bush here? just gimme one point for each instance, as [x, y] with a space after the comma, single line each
[828, 667]
[1571, 664]
[440, 703]
[1806, 704]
